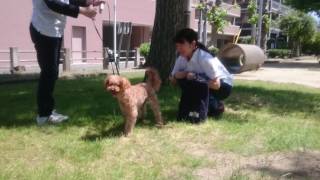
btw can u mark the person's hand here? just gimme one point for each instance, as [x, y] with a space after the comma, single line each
[191, 76]
[95, 2]
[173, 80]
[181, 75]
[214, 84]
[89, 12]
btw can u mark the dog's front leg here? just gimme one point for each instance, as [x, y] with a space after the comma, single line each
[131, 119]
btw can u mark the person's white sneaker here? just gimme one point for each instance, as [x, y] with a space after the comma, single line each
[42, 120]
[56, 118]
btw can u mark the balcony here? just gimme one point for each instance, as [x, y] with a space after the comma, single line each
[278, 8]
[230, 30]
[232, 10]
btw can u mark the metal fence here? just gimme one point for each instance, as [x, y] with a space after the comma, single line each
[13, 58]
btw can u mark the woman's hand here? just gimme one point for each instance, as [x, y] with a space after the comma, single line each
[89, 12]
[181, 75]
[191, 76]
[214, 84]
[95, 2]
[173, 80]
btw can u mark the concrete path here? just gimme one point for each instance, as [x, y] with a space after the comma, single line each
[304, 72]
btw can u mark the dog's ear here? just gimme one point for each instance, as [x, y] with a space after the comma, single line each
[125, 83]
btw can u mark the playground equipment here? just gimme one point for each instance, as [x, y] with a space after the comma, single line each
[238, 58]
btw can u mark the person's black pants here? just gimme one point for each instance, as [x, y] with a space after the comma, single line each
[48, 55]
[197, 97]
[194, 101]
[217, 96]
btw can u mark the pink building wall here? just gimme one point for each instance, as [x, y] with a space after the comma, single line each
[16, 14]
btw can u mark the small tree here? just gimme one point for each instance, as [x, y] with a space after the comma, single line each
[299, 27]
[253, 19]
[215, 16]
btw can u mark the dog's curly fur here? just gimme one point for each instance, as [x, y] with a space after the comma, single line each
[133, 98]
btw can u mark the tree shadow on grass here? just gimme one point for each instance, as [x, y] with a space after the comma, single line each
[283, 102]
[295, 165]
[87, 103]
[115, 131]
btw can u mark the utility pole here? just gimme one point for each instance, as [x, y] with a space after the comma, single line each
[205, 34]
[200, 24]
[260, 23]
[115, 31]
[187, 13]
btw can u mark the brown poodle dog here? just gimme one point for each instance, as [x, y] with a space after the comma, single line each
[133, 98]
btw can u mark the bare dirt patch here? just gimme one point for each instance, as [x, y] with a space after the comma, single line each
[302, 164]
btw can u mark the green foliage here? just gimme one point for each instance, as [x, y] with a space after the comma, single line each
[144, 49]
[213, 50]
[305, 5]
[280, 53]
[245, 40]
[266, 21]
[300, 27]
[216, 16]
[313, 46]
[200, 6]
[252, 12]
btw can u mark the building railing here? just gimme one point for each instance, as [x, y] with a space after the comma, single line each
[230, 30]
[232, 10]
[12, 59]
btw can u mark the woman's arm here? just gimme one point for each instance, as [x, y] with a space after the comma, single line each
[209, 69]
[70, 9]
[214, 84]
[63, 8]
[82, 3]
[86, 3]
[178, 69]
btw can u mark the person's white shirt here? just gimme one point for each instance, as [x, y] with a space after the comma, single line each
[46, 21]
[203, 62]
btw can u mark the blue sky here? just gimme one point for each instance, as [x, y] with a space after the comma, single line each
[316, 17]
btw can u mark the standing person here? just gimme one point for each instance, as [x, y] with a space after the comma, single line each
[46, 30]
[204, 81]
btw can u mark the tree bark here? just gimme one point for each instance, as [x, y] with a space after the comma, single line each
[253, 33]
[169, 19]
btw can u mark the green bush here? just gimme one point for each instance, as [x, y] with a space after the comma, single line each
[213, 50]
[245, 40]
[144, 49]
[312, 47]
[280, 53]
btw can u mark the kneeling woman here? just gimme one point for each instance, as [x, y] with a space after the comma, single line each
[203, 79]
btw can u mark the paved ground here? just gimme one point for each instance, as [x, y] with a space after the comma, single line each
[305, 71]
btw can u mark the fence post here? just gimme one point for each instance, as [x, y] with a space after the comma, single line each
[105, 61]
[67, 60]
[137, 59]
[14, 58]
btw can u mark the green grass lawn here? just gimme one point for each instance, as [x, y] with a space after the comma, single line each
[260, 118]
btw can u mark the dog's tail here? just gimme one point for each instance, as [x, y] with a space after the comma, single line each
[153, 79]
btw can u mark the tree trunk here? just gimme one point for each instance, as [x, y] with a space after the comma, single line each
[253, 33]
[168, 20]
[214, 35]
[264, 29]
